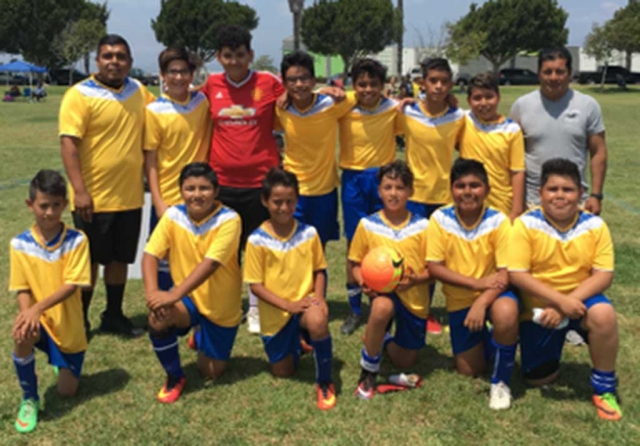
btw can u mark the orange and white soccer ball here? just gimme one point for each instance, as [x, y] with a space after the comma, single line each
[382, 269]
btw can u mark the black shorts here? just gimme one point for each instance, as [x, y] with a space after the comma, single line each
[113, 236]
[247, 203]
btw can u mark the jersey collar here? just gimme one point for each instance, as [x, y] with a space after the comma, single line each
[242, 82]
[54, 243]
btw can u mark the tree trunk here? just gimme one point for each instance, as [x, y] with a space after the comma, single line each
[495, 65]
[345, 72]
[604, 76]
[628, 56]
[296, 31]
[400, 37]
[87, 62]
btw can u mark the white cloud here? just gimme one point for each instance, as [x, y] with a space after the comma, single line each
[610, 7]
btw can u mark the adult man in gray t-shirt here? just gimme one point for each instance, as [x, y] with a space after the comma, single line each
[559, 122]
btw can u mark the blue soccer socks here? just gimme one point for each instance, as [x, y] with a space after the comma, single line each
[26, 371]
[370, 363]
[323, 355]
[603, 382]
[166, 350]
[503, 362]
[354, 293]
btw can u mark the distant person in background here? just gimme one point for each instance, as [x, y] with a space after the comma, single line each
[39, 92]
[391, 89]
[14, 91]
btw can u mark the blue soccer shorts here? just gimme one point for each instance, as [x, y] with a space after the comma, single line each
[321, 212]
[286, 341]
[360, 197]
[422, 209]
[541, 348]
[410, 331]
[462, 339]
[215, 341]
[71, 361]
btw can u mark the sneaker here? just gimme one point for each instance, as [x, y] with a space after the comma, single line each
[607, 406]
[27, 416]
[433, 326]
[326, 394]
[366, 385]
[171, 390]
[499, 396]
[191, 341]
[573, 338]
[351, 324]
[253, 320]
[120, 325]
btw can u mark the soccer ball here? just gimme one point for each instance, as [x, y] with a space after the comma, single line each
[382, 269]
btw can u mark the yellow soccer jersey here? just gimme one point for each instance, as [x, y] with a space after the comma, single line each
[285, 266]
[430, 142]
[367, 137]
[42, 269]
[110, 126]
[560, 259]
[476, 251]
[410, 239]
[180, 133]
[216, 237]
[499, 146]
[310, 136]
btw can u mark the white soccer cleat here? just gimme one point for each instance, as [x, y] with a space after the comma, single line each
[499, 396]
[253, 320]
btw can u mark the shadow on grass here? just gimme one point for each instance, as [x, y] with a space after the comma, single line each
[91, 386]
[572, 384]
[238, 369]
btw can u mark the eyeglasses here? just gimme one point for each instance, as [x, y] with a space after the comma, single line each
[294, 79]
[176, 73]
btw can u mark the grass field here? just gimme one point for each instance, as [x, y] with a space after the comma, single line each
[116, 402]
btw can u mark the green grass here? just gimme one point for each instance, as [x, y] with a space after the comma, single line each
[121, 377]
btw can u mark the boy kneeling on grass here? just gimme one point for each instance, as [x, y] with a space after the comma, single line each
[49, 265]
[467, 252]
[561, 259]
[285, 268]
[201, 238]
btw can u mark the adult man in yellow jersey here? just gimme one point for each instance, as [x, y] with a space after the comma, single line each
[101, 124]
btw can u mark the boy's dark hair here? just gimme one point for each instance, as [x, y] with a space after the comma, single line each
[114, 39]
[486, 80]
[394, 170]
[278, 177]
[170, 54]
[561, 167]
[297, 59]
[370, 66]
[199, 170]
[560, 52]
[233, 37]
[463, 167]
[436, 63]
[48, 182]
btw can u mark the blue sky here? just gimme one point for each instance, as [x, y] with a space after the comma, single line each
[132, 19]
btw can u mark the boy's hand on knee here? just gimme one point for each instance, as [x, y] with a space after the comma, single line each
[27, 324]
[158, 299]
[299, 306]
[572, 308]
[475, 317]
[550, 318]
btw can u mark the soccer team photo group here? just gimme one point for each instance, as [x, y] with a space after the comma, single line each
[354, 250]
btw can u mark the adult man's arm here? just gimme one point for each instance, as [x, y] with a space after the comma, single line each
[598, 154]
[71, 160]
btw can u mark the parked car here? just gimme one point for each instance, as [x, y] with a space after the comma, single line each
[145, 78]
[517, 76]
[60, 76]
[615, 73]
[462, 80]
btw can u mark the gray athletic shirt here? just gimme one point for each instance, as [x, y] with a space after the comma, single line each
[555, 129]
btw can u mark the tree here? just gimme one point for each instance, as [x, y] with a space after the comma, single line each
[195, 23]
[31, 28]
[500, 29]
[99, 12]
[265, 63]
[349, 28]
[597, 44]
[78, 39]
[400, 37]
[296, 6]
[624, 30]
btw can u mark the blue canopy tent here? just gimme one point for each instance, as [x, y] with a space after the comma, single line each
[23, 67]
